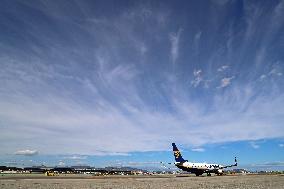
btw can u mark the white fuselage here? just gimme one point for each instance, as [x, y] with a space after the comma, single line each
[200, 167]
[204, 166]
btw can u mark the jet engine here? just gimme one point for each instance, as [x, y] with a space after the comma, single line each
[220, 171]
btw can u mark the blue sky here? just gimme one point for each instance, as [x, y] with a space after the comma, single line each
[116, 82]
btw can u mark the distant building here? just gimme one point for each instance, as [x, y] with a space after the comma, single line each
[64, 170]
[34, 169]
[4, 169]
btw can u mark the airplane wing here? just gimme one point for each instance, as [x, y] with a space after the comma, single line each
[233, 165]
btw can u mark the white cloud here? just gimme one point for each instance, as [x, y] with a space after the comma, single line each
[196, 43]
[120, 73]
[61, 163]
[198, 149]
[27, 152]
[281, 145]
[197, 36]
[254, 145]
[76, 157]
[197, 73]
[143, 49]
[268, 164]
[102, 131]
[90, 98]
[271, 73]
[197, 78]
[144, 163]
[174, 39]
[10, 163]
[104, 153]
[226, 82]
[223, 68]
[252, 13]
[260, 56]
[262, 77]
[275, 72]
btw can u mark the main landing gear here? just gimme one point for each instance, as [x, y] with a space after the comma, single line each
[198, 174]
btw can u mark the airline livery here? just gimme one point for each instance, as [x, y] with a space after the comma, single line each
[198, 168]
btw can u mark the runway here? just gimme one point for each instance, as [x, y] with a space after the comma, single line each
[123, 182]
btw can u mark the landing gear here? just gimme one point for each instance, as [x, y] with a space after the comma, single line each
[198, 174]
[209, 174]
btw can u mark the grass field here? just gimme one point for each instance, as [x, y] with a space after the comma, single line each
[123, 182]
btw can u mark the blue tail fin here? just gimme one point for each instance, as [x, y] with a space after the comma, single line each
[177, 154]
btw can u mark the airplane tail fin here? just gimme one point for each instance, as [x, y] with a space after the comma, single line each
[177, 154]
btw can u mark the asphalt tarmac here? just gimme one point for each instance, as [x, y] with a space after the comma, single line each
[123, 182]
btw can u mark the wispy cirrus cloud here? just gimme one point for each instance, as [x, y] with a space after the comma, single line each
[262, 77]
[95, 83]
[175, 40]
[197, 78]
[222, 68]
[273, 73]
[226, 82]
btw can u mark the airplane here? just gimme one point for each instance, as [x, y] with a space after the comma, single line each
[198, 168]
